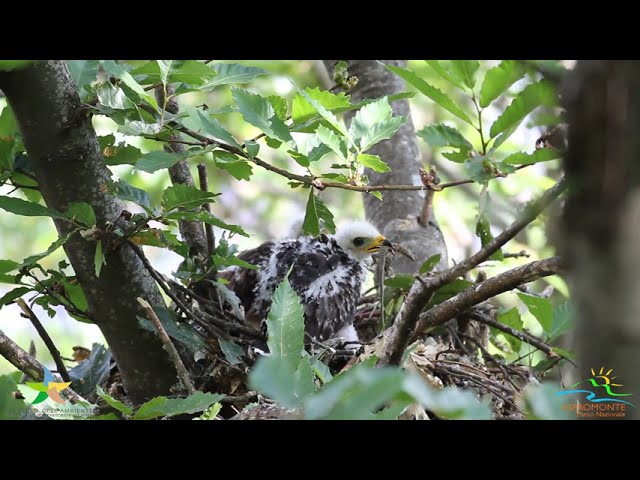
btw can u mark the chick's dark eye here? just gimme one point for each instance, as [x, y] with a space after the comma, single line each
[358, 242]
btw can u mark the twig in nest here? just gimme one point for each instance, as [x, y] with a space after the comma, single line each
[62, 369]
[29, 365]
[168, 345]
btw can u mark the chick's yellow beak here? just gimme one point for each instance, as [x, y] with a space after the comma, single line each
[377, 243]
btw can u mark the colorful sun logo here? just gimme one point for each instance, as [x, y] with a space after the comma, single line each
[49, 388]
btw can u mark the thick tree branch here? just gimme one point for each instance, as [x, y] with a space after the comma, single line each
[480, 292]
[69, 167]
[28, 365]
[55, 353]
[397, 338]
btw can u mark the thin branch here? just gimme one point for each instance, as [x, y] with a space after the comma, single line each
[521, 253]
[29, 365]
[239, 398]
[168, 345]
[208, 228]
[421, 291]
[480, 292]
[55, 353]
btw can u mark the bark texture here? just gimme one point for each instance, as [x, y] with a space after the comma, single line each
[68, 164]
[602, 217]
[397, 216]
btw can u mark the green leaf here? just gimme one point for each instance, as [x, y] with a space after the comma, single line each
[430, 91]
[541, 155]
[430, 263]
[124, 191]
[12, 295]
[441, 135]
[118, 71]
[252, 148]
[466, 70]
[52, 248]
[319, 368]
[279, 105]
[260, 113]
[563, 321]
[98, 258]
[236, 167]
[444, 73]
[139, 127]
[201, 122]
[83, 72]
[185, 196]
[92, 371]
[10, 407]
[373, 162]
[324, 113]
[232, 73]
[81, 212]
[164, 66]
[205, 217]
[542, 402]
[232, 351]
[374, 123]
[503, 137]
[539, 308]
[113, 97]
[303, 111]
[112, 402]
[498, 79]
[335, 142]
[511, 318]
[483, 231]
[285, 324]
[533, 96]
[118, 154]
[157, 160]
[179, 331]
[401, 281]
[168, 407]
[191, 72]
[480, 169]
[8, 65]
[8, 266]
[277, 379]
[18, 206]
[317, 211]
[355, 394]
[449, 290]
[458, 157]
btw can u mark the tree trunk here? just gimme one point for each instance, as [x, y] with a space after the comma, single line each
[67, 161]
[602, 218]
[397, 216]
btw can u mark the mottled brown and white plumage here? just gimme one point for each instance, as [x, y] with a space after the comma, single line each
[326, 271]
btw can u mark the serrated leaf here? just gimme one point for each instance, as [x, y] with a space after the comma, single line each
[377, 194]
[18, 206]
[8, 266]
[81, 212]
[124, 191]
[98, 258]
[12, 295]
[449, 290]
[562, 322]
[91, 372]
[401, 281]
[279, 105]
[277, 379]
[511, 318]
[185, 196]
[441, 135]
[200, 121]
[324, 113]
[83, 72]
[232, 351]
[30, 260]
[430, 91]
[260, 113]
[315, 212]
[532, 97]
[503, 137]
[118, 154]
[168, 407]
[178, 331]
[157, 160]
[302, 110]
[285, 324]
[373, 123]
[430, 263]
[373, 162]
[540, 308]
[466, 70]
[138, 127]
[112, 402]
[458, 157]
[236, 167]
[498, 79]
[480, 169]
[444, 73]
[319, 368]
[252, 148]
[205, 217]
[232, 73]
[541, 155]
[118, 71]
[113, 97]
[333, 141]
[483, 231]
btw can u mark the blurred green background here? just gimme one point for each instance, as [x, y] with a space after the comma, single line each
[266, 206]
